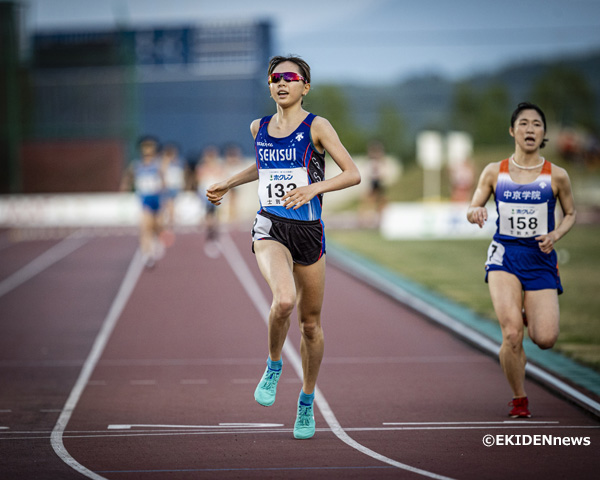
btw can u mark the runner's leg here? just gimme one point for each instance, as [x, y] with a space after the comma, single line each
[310, 281]
[506, 293]
[275, 263]
[543, 316]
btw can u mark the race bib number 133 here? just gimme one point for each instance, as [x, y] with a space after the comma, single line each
[273, 184]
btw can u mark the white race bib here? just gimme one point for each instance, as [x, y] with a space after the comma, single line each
[174, 178]
[523, 220]
[274, 183]
[148, 184]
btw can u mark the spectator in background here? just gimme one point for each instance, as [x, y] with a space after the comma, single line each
[375, 199]
[145, 176]
[173, 173]
[233, 164]
[462, 178]
[209, 170]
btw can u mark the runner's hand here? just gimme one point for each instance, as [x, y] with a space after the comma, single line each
[479, 216]
[216, 192]
[546, 243]
[299, 196]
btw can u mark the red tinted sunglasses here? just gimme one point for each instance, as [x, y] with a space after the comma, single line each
[287, 76]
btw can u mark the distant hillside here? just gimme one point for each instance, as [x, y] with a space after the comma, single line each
[426, 101]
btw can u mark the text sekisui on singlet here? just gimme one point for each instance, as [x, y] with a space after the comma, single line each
[287, 163]
[525, 211]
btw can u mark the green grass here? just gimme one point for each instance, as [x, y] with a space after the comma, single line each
[454, 268]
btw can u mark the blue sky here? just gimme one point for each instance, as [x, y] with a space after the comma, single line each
[368, 41]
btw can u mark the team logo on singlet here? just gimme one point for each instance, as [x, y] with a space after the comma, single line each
[299, 136]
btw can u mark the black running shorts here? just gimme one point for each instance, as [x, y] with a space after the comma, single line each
[304, 239]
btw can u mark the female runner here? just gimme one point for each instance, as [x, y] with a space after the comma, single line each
[522, 267]
[288, 236]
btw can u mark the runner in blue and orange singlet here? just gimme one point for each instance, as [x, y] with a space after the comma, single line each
[522, 265]
[287, 236]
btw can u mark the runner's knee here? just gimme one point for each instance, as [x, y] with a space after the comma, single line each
[513, 338]
[546, 340]
[283, 305]
[311, 330]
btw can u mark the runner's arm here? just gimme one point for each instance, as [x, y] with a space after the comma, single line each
[565, 195]
[477, 213]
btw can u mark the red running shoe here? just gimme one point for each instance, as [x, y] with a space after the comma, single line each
[519, 409]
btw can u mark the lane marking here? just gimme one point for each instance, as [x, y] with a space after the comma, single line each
[143, 382]
[192, 381]
[247, 280]
[356, 429]
[125, 290]
[42, 262]
[220, 425]
[181, 362]
[263, 469]
[165, 432]
[517, 422]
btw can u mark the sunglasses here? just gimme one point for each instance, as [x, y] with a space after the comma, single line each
[287, 76]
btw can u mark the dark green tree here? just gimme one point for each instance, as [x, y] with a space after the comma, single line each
[330, 102]
[391, 131]
[482, 113]
[566, 97]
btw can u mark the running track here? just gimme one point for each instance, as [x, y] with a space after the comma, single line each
[111, 371]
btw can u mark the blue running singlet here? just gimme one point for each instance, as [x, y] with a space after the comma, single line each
[148, 184]
[287, 163]
[525, 211]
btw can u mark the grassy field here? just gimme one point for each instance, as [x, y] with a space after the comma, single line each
[454, 268]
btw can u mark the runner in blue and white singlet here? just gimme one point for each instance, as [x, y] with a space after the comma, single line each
[288, 236]
[525, 211]
[287, 163]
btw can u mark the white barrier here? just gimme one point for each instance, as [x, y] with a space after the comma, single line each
[87, 210]
[433, 220]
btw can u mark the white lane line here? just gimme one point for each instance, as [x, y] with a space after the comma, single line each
[143, 382]
[505, 422]
[129, 281]
[168, 432]
[194, 381]
[247, 280]
[219, 426]
[41, 263]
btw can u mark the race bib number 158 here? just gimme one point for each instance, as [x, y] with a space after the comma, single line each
[523, 220]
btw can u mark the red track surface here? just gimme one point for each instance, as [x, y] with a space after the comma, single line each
[171, 396]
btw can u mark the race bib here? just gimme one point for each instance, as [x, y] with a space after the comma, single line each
[148, 184]
[273, 184]
[523, 220]
[174, 178]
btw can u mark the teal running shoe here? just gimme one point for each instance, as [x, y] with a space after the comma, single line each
[267, 387]
[305, 422]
